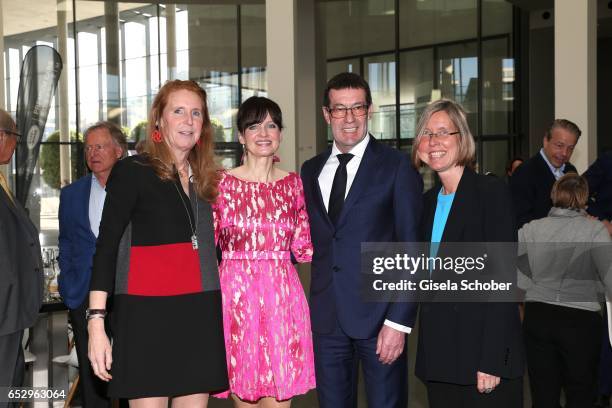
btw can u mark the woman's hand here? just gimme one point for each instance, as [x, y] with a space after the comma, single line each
[486, 382]
[100, 352]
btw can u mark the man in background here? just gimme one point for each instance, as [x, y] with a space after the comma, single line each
[21, 269]
[531, 183]
[80, 212]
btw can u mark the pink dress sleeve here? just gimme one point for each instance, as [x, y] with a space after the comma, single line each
[301, 244]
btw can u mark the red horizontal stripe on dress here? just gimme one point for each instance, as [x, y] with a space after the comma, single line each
[164, 270]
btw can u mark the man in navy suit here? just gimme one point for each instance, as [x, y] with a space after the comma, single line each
[359, 190]
[80, 212]
[531, 183]
[21, 270]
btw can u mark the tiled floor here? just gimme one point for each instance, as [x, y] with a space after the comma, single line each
[416, 394]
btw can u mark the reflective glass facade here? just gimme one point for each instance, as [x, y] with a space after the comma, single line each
[416, 51]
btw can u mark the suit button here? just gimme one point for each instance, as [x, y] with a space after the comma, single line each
[31, 244]
[336, 268]
[36, 269]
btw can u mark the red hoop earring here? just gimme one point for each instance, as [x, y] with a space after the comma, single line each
[156, 136]
[199, 142]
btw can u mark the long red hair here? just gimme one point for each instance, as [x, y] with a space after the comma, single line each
[201, 158]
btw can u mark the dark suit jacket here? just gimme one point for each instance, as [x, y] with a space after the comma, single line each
[599, 176]
[383, 205]
[531, 184]
[21, 268]
[458, 339]
[77, 243]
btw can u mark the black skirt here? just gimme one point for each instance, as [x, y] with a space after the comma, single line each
[167, 346]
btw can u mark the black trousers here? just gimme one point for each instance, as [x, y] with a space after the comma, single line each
[11, 363]
[563, 345]
[508, 394]
[93, 390]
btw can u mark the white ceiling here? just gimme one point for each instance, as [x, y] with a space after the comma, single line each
[30, 15]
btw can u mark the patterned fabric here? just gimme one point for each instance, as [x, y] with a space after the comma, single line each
[265, 314]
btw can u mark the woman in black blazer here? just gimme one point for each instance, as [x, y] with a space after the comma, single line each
[469, 354]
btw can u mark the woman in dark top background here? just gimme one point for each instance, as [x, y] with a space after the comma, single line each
[469, 354]
[166, 320]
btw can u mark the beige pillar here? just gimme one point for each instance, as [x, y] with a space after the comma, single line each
[292, 76]
[62, 92]
[171, 40]
[281, 71]
[576, 73]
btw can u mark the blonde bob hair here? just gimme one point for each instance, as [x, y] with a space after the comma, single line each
[201, 157]
[467, 147]
[570, 191]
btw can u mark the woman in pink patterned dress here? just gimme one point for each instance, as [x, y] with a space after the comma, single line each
[260, 220]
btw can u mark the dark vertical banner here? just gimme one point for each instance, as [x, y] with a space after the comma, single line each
[40, 73]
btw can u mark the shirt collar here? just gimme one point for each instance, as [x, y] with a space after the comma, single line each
[552, 168]
[95, 182]
[358, 150]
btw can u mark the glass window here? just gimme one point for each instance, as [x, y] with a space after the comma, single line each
[495, 154]
[496, 17]
[213, 41]
[355, 27]
[428, 22]
[253, 50]
[497, 87]
[347, 65]
[457, 74]
[380, 74]
[122, 61]
[416, 85]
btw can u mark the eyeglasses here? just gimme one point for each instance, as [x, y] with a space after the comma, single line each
[96, 147]
[258, 127]
[442, 134]
[8, 132]
[339, 112]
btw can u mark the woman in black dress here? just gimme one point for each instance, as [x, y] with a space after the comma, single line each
[166, 319]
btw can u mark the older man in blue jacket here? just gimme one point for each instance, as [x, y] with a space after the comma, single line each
[80, 212]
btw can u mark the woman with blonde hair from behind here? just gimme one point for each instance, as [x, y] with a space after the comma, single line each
[568, 260]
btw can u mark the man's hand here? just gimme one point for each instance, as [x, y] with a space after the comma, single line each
[390, 344]
[486, 382]
[608, 226]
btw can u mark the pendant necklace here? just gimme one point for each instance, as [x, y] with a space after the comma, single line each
[194, 236]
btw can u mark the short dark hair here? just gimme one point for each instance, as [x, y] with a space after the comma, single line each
[563, 124]
[346, 80]
[115, 132]
[255, 109]
[570, 191]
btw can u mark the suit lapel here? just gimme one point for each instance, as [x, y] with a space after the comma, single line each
[429, 211]
[316, 188]
[20, 214]
[86, 191]
[462, 203]
[362, 178]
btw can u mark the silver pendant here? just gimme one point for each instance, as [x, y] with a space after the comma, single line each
[194, 241]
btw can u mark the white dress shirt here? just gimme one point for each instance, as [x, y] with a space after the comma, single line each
[97, 195]
[326, 179]
[558, 172]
